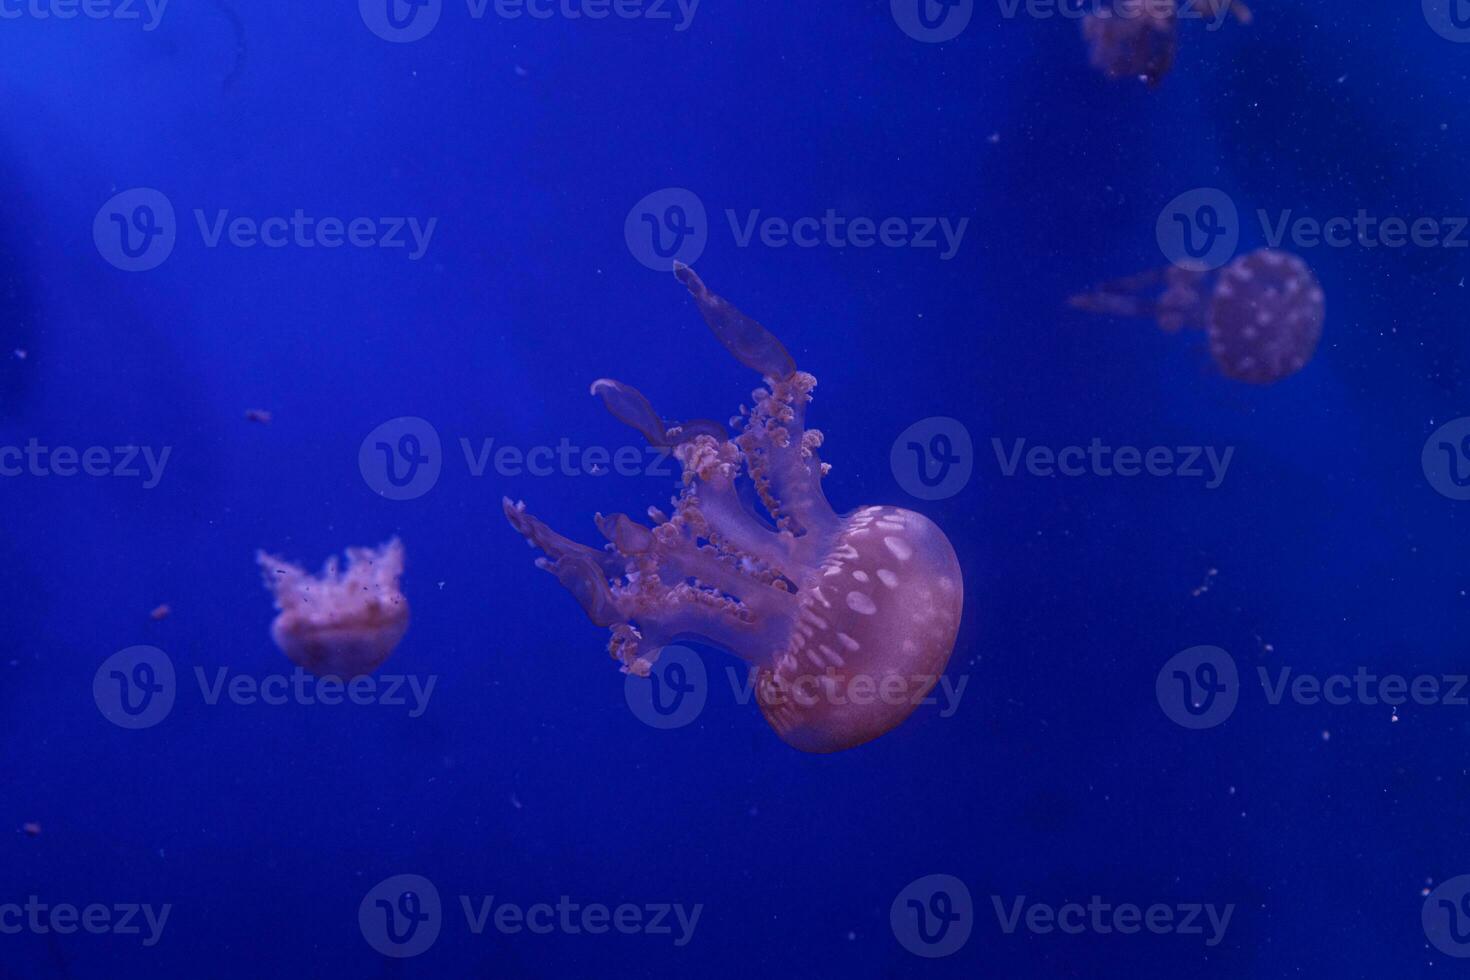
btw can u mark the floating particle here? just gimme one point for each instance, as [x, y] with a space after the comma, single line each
[31, 828]
[161, 612]
[258, 415]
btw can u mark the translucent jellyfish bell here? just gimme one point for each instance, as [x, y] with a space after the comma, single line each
[1263, 312]
[346, 622]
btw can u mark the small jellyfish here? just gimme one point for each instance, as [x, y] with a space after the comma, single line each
[1263, 312]
[1138, 38]
[344, 623]
[847, 621]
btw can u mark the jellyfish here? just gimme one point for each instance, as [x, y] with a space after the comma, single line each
[846, 621]
[343, 623]
[1263, 312]
[1138, 38]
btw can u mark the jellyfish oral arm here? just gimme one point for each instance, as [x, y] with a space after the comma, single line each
[808, 598]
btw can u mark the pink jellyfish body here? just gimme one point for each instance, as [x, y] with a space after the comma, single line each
[345, 622]
[1263, 312]
[847, 621]
[1138, 38]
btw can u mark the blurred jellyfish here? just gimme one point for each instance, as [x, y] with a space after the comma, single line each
[1263, 312]
[344, 623]
[1138, 38]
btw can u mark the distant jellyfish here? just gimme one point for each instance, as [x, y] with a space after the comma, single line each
[345, 622]
[1263, 312]
[847, 621]
[1138, 38]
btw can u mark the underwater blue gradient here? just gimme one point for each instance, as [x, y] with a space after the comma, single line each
[528, 778]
